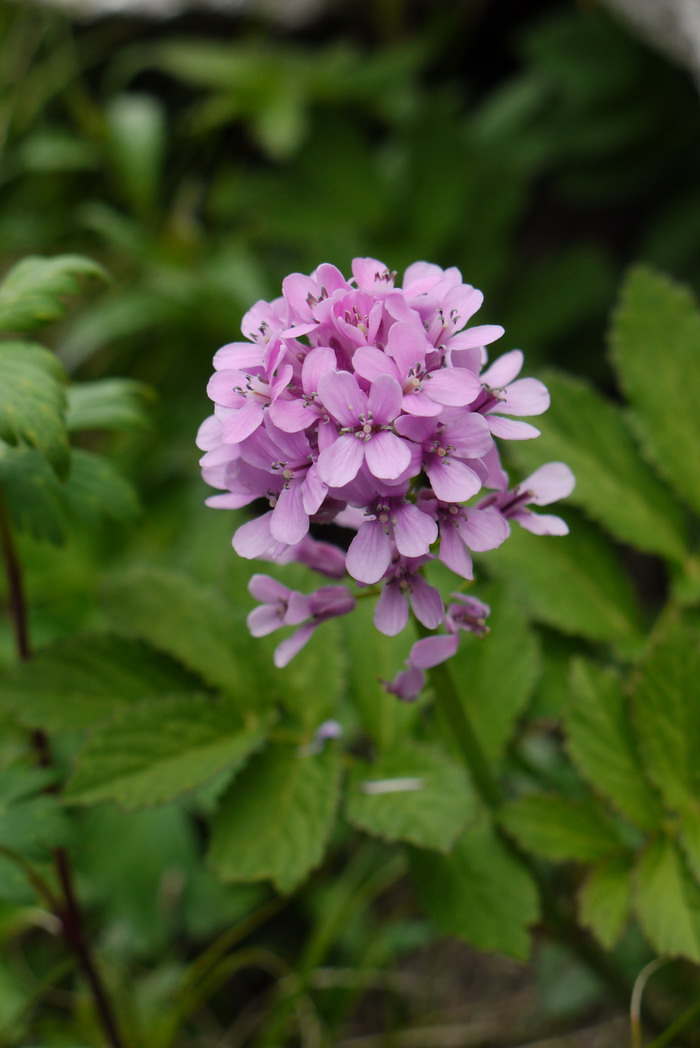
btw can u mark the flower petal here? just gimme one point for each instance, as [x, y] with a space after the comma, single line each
[414, 531]
[386, 454]
[384, 400]
[339, 463]
[548, 483]
[426, 603]
[431, 651]
[391, 610]
[342, 397]
[369, 553]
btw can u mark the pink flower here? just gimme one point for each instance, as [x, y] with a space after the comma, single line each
[285, 607]
[368, 404]
[547, 484]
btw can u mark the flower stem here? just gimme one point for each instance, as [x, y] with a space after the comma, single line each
[68, 909]
[449, 702]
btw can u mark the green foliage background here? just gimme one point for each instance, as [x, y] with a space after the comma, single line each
[197, 162]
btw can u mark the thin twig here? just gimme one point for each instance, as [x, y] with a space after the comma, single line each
[68, 909]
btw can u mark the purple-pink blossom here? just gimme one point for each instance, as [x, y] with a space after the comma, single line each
[371, 404]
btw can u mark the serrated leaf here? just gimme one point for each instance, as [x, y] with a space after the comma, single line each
[560, 829]
[275, 818]
[480, 892]
[32, 293]
[33, 402]
[613, 483]
[574, 583]
[195, 625]
[79, 682]
[156, 751]
[110, 403]
[412, 793]
[605, 899]
[495, 674]
[667, 901]
[95, 490]
[602, 744]
[666, 712]
[32, 493]
[655, 343]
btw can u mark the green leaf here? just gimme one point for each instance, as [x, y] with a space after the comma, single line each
[496, 674]
[689, 837]
[613, 483]
[31, 821]
[480, 892]
[412, 793]
[667, 901]
[32, 293]
[153, 752]
[32, 493]
[602, 744]
[560, 829]
[666, 705]
[79, 682]
[655, 344]
[192, 623]
[574, 583]
[32, 401]
[96, 490]
[136, 133]
[110, 403]
[604, 900]
[372, 658]
[276, 816]
[311, 685]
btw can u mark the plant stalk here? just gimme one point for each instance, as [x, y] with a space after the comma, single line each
[68, 911]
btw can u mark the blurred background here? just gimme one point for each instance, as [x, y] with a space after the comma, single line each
[203, 150]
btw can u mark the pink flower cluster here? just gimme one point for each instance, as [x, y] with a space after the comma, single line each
[372, 406]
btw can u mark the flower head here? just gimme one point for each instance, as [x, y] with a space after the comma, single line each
[370, 403]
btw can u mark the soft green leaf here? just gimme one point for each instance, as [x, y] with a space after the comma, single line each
[153, 752]
[689, 837]
[613, 483]
[32, 293]
[32, 493]
[311, 685]
[412, 793]
[604, 900]
[372, 658]
[574, 583]
[667, 901]
[33, 402]
[276, 816]
[495, 674]
[602, 744]
[109, 403]
[81, 681]
[136, 134]
[655, 343]
[195, 625]
[666, 712]
[480, 892]
[95, 490]
[31, 821]
[560, 829]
